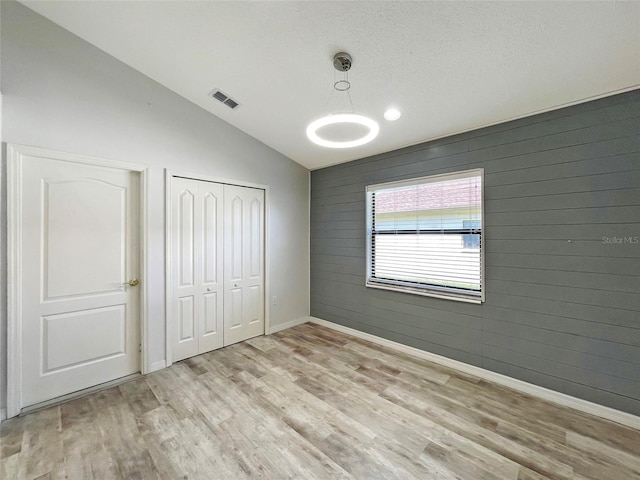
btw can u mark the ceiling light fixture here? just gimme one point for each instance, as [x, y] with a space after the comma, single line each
[392, 114]
[342, 63]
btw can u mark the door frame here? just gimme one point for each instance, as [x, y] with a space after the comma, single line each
[15, 158]
[169, 174]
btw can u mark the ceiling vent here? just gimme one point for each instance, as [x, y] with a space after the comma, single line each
[224, 98]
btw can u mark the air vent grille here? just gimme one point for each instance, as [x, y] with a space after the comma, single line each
[224, 98]
[220, 96]
[231, 103]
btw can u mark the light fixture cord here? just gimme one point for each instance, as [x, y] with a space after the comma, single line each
[348, 92]
[331, 94]
[346, 79]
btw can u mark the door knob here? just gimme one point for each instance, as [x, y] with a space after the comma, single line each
[134, 282]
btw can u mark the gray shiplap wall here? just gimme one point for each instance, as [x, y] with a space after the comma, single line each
[562, 307]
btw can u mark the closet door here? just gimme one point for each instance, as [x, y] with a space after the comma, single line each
[243, 263]
[211, 266]
[196, 256]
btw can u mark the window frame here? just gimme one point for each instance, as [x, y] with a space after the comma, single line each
[448, 293]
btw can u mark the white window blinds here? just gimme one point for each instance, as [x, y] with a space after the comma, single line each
[425, 235]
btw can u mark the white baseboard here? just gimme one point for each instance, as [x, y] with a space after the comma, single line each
[284, 326]
[3, 414]
[155, 366]
[584, 406]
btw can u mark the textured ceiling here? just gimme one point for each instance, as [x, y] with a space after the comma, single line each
[448, 66]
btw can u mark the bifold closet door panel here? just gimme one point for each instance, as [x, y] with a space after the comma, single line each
[184, 232]
[243, 263]
[211, 264]
[196, 253]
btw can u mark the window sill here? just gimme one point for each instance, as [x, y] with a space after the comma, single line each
[426, 293]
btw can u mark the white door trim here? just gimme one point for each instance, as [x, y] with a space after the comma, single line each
[15, 154]
[169, 174]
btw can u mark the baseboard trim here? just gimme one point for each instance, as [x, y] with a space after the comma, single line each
[155, 366]
[565, 400]
[284, 326]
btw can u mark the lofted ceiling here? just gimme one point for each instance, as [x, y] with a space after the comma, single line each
[448, 66]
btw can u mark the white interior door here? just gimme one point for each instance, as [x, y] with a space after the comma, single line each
[79, 239]
[243, 263]
[196, 244]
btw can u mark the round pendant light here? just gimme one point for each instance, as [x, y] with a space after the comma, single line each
[342, 63]
[372, 125]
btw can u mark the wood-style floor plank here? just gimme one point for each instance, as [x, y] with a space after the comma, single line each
[313, 403]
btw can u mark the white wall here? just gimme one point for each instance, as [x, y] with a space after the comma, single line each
[61, 93]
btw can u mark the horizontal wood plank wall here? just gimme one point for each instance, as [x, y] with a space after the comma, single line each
[562, 306]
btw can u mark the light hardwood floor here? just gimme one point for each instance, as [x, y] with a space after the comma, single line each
[307, 403]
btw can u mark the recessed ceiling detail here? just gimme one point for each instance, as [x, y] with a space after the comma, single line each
[392, 114]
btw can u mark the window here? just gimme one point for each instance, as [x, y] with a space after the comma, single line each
[424, 236]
